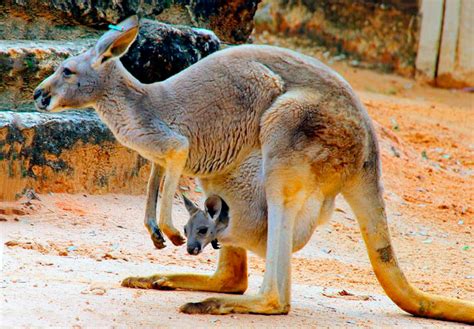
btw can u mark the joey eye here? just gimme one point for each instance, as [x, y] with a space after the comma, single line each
[202, 230]
[67, 72]
[185, 231]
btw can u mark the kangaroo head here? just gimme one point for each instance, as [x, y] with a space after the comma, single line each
[203, 227]
[80, 80]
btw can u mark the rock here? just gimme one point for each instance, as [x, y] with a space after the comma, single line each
[162, 50]
[94, 289]
[66, 152]
[384, 33]
[231, 20]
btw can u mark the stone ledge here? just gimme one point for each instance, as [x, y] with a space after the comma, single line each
[66, 152]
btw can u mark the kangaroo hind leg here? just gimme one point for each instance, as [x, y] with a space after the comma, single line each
[230, 276]
[285, 196]
[288, 180]
[365, 198]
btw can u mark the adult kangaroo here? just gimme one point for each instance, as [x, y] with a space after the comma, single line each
[312, 133]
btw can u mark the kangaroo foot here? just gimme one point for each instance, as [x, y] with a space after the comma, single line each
[163, 284]
[140, 282]
[239, 304]
[158, 282]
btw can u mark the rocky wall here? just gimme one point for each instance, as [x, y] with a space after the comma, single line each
[71, 153]
[377, 32]
[231, 20]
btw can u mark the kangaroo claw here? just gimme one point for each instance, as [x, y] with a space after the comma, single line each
[177, 239]
[215, 244]
[158, 239]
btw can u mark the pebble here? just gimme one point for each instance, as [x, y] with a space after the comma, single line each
[354, 63]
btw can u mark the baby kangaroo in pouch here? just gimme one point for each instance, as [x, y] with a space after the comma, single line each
[277, 135]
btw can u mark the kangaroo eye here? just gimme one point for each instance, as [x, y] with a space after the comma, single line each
[202, 230]
[185, 233]
[67, 72]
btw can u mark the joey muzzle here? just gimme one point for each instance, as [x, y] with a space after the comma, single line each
[194, 248]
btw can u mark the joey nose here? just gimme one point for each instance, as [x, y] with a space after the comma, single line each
[37, 93]
[194, 250]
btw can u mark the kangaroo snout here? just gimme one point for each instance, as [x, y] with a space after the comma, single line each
[42, 99]
[194, 249]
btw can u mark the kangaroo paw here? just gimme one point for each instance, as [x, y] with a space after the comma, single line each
[173, 234]
[177, 240]
[158, 239]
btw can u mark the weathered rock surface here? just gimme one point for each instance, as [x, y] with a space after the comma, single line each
[231, 20]
[161, 50]
[379, 32]
[70, 152]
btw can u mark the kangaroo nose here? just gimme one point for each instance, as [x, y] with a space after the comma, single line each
[194, 250]
[37, 93]
[46, 100]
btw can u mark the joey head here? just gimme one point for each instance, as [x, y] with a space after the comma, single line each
[204, 226]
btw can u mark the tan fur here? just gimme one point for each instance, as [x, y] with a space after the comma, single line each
[312, 135]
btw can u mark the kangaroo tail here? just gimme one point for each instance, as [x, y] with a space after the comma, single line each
[364, 195]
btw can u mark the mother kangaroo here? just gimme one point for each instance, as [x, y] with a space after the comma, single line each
[312, 133]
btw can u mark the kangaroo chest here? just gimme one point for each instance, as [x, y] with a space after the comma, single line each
[222, 114]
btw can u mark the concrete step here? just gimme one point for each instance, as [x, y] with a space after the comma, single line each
[64, 152]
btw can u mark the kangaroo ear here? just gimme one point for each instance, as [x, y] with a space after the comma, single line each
[213, 206]
[190, 206]
[115, 43]
[218, 209]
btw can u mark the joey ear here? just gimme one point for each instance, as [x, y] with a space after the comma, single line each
[218, 209]
[115, 43]
[190, 206]
[213, 206]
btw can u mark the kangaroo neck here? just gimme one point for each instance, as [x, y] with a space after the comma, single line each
[123, 95]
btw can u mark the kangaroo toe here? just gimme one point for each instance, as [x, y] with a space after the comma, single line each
[138, 282]
[208, 306]
[158, 239]
[163, 284]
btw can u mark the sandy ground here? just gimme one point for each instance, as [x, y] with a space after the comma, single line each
[63, 256]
